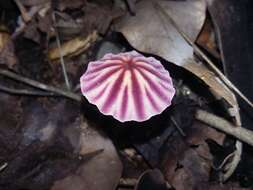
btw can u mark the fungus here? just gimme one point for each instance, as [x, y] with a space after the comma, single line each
[128, 86]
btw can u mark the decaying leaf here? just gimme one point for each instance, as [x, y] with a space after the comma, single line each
[9, 124]
[31, 32]
[102, 171]
[66, 4]
[34, 2]
[48, 149]
[68, 27]
[185, 159]
[207, 40]
[149, 31]
[152, 180]
[43, 151]
[98, 16]
[218, 88]
[72, 47]
[4, 38]
[7, 54]
[189, 168]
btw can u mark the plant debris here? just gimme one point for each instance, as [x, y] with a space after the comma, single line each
[53, 138]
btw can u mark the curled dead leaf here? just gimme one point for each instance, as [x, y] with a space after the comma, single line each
[72, 47]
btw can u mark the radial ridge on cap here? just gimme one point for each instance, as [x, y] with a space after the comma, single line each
[128, 86]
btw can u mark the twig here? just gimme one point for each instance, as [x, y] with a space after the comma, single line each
[127, 182]
[177, 126]
[219, 123]
[227, 158]
[77, 87]
[39, 85]
[22, 26]
[236, 155]
[61, 54]
[3, 166]
[234, 163]
[131, 6]
[25, 92]
[203, 55]
[91, 154]
[25, 15]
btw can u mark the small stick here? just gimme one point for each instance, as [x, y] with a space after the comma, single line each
[91, 154]
[235, 161]
[228, 157]
[39, 85]
[131, 6]
[25, 92]
[19, 30]
[203, 55]
[23, 11]
[219, 123]
[3, 166]
[128, 182]
[60, 52]
[177, 126]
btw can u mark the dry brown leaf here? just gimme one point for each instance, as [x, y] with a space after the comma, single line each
[7, 52]
[206, 39]
[73, 4]
[10, 112]
[72, 47]
[152, 180]
[49, 151]
[98, 16]
[4, 38]
[102, 171]
[218, 88]
[34, 2]
[189, 168]
[149, 31]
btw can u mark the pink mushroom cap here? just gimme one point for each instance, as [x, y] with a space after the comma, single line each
[128, 86]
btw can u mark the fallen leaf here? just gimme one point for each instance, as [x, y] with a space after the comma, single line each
[10, 114]
[31, 32]
[93, 174]
[7, 51]
[152, 180]
[186, 167]
[68, 27]
[73, 47]
[207, 39]
[66, 4]
[149, 31]
[41, 148]
[99, 17]
[34, 2]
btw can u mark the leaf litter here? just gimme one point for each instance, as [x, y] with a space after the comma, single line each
[56, 143]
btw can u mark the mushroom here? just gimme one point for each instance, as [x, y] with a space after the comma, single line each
[128, 86]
